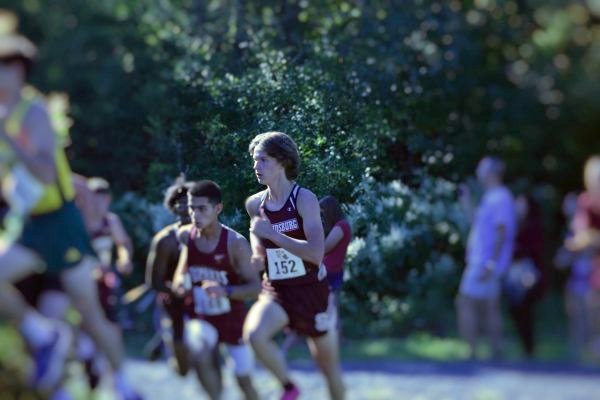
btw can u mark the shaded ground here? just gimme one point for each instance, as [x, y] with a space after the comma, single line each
[397, 380]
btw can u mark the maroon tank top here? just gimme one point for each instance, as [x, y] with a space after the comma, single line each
[213, 266]
[282, 267]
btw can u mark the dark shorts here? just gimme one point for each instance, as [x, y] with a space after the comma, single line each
[230, 326]
[305, 305]
[34, 285]
[58, 237]
[335, 280]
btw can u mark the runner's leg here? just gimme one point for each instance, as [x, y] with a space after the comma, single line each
[263, 321]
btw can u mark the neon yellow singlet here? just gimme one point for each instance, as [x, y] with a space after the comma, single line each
[54, 194]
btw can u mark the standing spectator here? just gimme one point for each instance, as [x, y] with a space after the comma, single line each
[338, 234]
[578, 285]
[586, 241]
[489, 253]
[525, 282]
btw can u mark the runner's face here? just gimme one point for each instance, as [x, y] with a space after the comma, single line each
[484, 171]
[181, 209]
[202, 212]
[266, 168]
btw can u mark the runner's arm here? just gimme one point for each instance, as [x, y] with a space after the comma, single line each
[158, 262]
[241, 254]
[39, 157]
[179, 276]
[257, 258]
[313, 247]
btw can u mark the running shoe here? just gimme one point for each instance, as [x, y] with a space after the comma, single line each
[291, 394]
[49, 360]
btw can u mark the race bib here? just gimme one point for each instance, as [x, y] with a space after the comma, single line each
[206, 305]
[21, 190]
[103, 246]
[284, 265]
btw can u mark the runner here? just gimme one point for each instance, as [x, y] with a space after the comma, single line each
[287, 238]
[107, 233]
[160, 268]
[215, 260]
[53, 238]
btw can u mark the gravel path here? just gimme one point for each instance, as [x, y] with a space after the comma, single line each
[395, 381]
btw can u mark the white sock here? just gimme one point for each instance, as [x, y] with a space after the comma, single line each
[37, 330]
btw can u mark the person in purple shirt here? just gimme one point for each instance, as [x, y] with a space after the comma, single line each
[489, 253]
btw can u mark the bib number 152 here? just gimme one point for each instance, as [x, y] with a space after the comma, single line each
[284, 265]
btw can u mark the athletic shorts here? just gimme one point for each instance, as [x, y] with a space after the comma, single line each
[59, 238]
[307, 307]
[34, 285]
[335, 280]
[230, 325]
[200, 333]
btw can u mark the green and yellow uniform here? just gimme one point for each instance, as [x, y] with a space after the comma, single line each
[54, 229]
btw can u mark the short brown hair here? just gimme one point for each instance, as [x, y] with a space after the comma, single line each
[282, 148]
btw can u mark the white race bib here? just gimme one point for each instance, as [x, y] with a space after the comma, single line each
[21, 190]
[206, 305]
[284, 265]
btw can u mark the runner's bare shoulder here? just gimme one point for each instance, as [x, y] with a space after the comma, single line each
[236, 239]
[183, 234]
[165, 240]
[253, 202]
[306, 200]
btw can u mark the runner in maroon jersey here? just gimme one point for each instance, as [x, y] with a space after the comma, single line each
[215, 261]
[107, 233]
[287, 238]
[160, 268]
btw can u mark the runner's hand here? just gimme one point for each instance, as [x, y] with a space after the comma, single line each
[214, 289]
[178, 288]
[261, 226]
[257, 262]
[125, 267]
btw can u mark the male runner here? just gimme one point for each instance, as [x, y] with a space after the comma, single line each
[287, 238]
[160, 269]
[216, 262]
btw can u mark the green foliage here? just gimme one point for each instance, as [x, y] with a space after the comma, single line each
[405, 259]
[407, 90]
